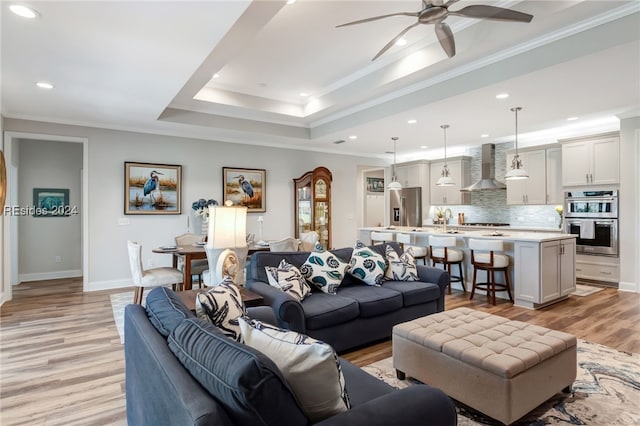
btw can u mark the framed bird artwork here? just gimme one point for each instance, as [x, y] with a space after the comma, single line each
[245, 187]
[152, 188]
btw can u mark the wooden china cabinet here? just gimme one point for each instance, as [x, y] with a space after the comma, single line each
[312, 206]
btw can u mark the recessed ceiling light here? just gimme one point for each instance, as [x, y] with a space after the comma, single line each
[424, 146]
[572, 118]
[44, 85]
[401, 42]
[291, 1]
[412, 121]
[353, 137]
[216, 75]
[502, 96]
[304, 94]
[24, 11]
[484, 135]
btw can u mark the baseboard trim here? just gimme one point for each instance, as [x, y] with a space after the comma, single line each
[41, 276]
[627, 286]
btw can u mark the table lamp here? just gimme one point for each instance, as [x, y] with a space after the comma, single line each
[227, 244]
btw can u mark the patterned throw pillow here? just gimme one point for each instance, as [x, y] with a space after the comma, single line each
[288, 278]
[311, 367]
[401, 268]
[367, 265]
[324, 270]
[222, 306]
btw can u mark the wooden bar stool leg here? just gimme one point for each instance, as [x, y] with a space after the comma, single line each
[473, 283]
[464, 289]
[508, 284]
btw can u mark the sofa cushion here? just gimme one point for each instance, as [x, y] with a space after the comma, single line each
[367, 265]
[165, 310]
[414, 292]
[222, 306]
[324, 270]
[401, 267]
[311, 367]
[253, 392]
[373, 301]
[324, 310]
[288, 278]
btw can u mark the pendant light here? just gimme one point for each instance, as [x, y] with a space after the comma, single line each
[445, 179]
[394, 185]
[517, 170]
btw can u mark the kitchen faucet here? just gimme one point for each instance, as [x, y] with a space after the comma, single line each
[446, 218]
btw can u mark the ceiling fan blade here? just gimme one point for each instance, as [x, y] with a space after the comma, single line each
[492, 12]
[375, 18]
[393, 40]
[445, 37]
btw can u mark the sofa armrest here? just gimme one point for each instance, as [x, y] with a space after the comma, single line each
[416, 405]
[437, 276]
[288, 311]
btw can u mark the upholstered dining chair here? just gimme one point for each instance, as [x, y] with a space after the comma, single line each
[153, 277]
[285, 244]
[308, 240]
[198, 266]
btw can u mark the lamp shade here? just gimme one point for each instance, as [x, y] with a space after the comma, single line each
[227, 227]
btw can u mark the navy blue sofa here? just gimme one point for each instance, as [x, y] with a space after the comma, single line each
[183, 371]
[358, 314]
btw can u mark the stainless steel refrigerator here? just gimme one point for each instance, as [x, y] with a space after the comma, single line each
[406, 207]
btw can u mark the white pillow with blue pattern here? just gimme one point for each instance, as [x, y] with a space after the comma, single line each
[289, 279]
[324, 270]
[222, 305]
[401, 268]
[367, 265]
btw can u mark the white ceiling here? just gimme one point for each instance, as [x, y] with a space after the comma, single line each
[148, 66]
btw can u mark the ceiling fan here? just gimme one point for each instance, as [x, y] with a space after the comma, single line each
[436, 11]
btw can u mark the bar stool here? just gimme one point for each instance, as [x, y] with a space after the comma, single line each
[443, 251]
[419, 252]
[485, 258]
[381, 237]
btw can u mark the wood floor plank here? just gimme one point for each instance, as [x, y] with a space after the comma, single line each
[61, 361]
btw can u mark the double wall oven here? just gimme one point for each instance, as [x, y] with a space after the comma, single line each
[593, 217]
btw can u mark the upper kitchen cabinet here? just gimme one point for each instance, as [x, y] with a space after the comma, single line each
[534, 189]
[555, 194]
[413, 174]
[312, 207]
[593, 160]
[459, 170]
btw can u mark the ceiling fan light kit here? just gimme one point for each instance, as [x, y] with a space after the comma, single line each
[517, 169]
[394, 185]
[436, 11]
[445, 179]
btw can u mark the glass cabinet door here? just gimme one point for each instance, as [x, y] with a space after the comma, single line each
[313, 204]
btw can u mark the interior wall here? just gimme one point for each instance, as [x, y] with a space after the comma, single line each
[49, 247]
[3, 278]
[202, 162]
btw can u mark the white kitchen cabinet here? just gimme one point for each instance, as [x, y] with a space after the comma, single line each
[599, 268]
[413, 174]
[594, 160]
[459, 170]
[555, 194]
[544, 272]
[534, 189]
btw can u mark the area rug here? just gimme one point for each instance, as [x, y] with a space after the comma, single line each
[118, 302]
[586, 290]
[605, 392]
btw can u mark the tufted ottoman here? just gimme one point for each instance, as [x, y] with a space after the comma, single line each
[499, 367]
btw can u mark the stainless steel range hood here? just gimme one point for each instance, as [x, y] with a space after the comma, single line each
[488, 180]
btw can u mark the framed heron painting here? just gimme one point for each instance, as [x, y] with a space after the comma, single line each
[152, 188]
[245, 187]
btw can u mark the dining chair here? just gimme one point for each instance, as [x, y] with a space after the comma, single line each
[308, 240]
[285, 244]
[153, 277]
[198, 266]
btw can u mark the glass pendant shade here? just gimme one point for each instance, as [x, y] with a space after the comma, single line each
[517, 169]
[394, 185]
[445, 179]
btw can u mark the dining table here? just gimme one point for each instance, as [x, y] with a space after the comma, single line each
[195, 252]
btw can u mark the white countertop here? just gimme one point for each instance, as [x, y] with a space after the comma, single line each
[504, 233]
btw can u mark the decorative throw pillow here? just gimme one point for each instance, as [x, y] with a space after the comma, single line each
[222, 305]
[401, 268]
[367, 265]
[324, 270]
[288, 278]
[311, 367]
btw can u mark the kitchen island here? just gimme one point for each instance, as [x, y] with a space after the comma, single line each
[542, 266]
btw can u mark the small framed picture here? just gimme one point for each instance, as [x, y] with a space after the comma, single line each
[51, 202]
[245, 187]
[375, 184]
[152, 188]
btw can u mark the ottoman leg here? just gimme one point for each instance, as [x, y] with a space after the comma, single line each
[568, 389]
[400, 375]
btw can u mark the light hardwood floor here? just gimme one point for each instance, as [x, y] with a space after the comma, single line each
[62, 362]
